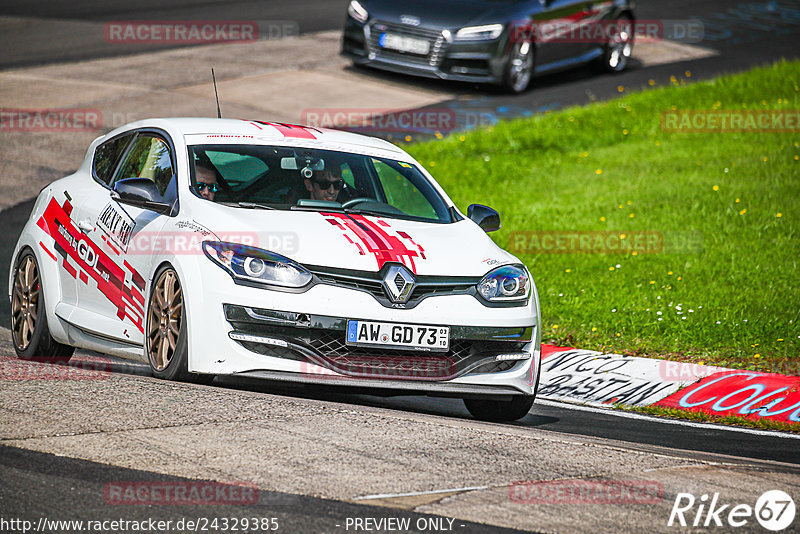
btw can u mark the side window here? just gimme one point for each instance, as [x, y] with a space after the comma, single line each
[106, 157]
[401, 193]
[149, 157]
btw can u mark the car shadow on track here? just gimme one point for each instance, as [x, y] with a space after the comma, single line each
[95, 362]
[474, 90]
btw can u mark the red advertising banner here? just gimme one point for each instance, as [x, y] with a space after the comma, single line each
[741, 393]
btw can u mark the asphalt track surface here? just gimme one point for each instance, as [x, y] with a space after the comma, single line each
[744, 33]
[53, 485]
[30, 487]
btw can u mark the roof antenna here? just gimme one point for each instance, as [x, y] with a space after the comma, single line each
[214, 78]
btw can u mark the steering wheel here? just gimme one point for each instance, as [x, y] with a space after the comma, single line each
[353, 201]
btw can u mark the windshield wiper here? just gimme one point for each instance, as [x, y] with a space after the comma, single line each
[359, 211]
[317, 208]
[253, 205]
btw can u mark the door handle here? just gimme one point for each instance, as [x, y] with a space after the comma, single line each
[86, 226]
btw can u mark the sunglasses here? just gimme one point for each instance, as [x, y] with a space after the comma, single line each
[325, 184]
[202, 187]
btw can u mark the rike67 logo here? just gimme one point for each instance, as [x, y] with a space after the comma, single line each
[774, 510]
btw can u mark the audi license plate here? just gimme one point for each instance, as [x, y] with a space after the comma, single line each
[404, 44]
[391, 335]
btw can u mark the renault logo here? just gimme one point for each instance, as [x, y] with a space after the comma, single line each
[399, 283]
[410, 20]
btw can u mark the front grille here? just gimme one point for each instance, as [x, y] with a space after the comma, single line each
[328, 349]
[434, 38]
[495, 367]
[364, 284]
[425, 286]
[387, 363]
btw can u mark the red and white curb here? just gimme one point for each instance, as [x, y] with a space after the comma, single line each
[596, 379]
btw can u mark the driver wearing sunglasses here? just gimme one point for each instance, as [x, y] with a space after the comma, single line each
[206, 182]
[325, 185]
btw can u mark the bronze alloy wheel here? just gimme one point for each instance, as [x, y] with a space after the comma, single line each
[164, 320]
[25, 303]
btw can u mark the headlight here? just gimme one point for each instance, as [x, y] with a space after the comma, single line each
[479, 33]
[256, 265]
[505, 284]
[357, 11]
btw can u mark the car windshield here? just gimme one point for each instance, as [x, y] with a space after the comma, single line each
[287, 178]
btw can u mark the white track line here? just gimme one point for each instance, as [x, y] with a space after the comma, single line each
[630, 415]
[413, 494]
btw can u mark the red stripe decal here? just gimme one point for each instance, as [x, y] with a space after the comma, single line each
[385, 247]
[48, 251]
[360, 250]
[43, 225]
[419, 247]
[291, 130]
[114, 250]
[71, 243]
[73, 272]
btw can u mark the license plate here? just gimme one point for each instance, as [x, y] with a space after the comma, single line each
[404, 44]
[419, 337]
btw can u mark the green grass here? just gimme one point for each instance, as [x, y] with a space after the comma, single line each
[703, 417]
[610, 167]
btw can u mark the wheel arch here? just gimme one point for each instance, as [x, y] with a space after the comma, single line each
[183, 277]
[50, 280]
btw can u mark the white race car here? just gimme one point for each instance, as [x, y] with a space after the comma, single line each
[212, 247]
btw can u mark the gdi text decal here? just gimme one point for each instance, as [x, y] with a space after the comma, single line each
[124, 287]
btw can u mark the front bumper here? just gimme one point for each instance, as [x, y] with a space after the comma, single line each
[476, 61]
[236, 330]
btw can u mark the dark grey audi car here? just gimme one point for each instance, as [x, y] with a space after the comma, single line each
[504, 42]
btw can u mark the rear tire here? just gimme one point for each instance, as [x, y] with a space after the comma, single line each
[29, 331]
[498, 411]
[166, 335]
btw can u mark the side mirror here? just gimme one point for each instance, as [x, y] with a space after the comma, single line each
[142, 193]
[485, 217]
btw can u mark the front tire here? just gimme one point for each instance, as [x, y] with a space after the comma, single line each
[619, 48]
[519, 67]
[166, 341]
[29, 331]
[499, 411]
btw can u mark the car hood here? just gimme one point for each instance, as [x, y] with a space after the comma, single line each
[442, 13]
[358, 242]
